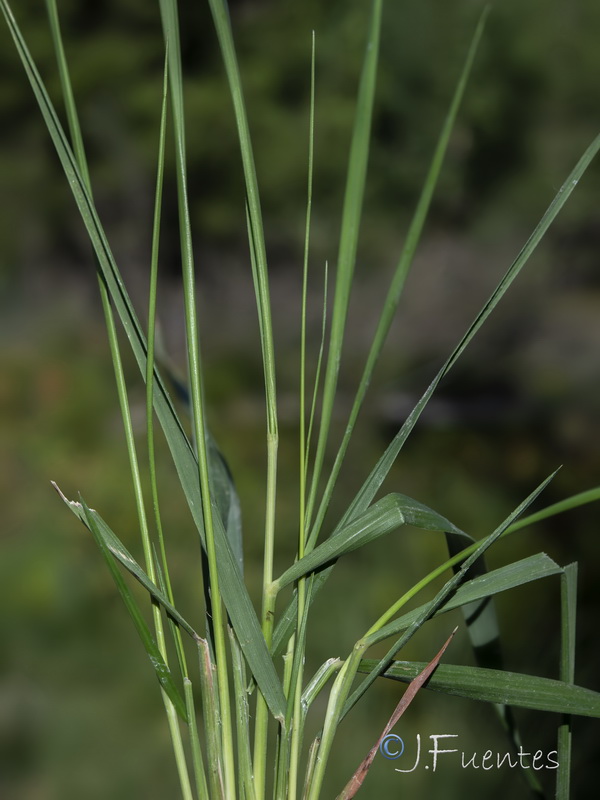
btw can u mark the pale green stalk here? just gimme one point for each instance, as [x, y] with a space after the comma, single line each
[300, 638]
[171, 27]
[314, 687]
[258, 255]
[268, 595]
[150, 362]
[197, 758]
[315, 394]
[345, 270]
[67, 90]
[303, 437]
[353, 199]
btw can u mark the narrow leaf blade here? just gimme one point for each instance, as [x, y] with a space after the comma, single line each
[478, 590]
[383, 517]
[449, 587]
[353, 200]
[500, 686]
[160, 668]
[371, 486]
[111, 541]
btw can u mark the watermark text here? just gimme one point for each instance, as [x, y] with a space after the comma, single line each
[441, 752]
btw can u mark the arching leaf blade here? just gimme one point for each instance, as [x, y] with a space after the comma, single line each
[162, 671]
[120, 552]
[479, 590]
[382, 518]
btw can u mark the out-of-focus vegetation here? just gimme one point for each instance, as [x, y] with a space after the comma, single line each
[73, 686]
[531, 106]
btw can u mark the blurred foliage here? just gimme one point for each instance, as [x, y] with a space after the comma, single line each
[76, 693]
[529, 111]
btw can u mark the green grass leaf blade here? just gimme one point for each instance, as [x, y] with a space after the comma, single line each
[383, 517]
[152, 297]
[285, 623]
[478, 590]
[500, 686]
[371, 486]
[575, 501]
[227, 499]
[112, 542]
[161, 669]
[222, 483]
[568, 623]
[245, 623]
[450, 586]
[67, 89]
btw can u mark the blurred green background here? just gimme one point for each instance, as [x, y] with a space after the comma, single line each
[79, 712]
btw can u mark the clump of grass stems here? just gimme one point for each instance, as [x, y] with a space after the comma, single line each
[237, 675]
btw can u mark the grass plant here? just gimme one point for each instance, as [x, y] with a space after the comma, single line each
[254, 703]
